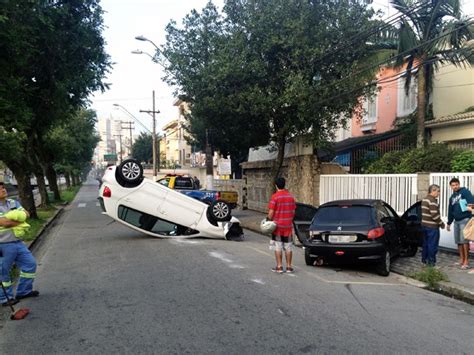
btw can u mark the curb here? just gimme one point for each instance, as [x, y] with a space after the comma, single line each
[34, 243]
[445, 288]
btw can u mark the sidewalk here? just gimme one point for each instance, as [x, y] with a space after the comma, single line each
[460, 284]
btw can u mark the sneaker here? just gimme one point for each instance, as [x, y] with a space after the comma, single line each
[10, 302]
[465, 267]
[278, 269]
[31, 294]
[290, 270]
[471, 272]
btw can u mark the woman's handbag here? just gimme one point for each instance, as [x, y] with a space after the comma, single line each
[469, 230]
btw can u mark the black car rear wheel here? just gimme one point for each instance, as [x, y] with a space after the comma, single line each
[383, 267]
[129, 173]
[308, 258]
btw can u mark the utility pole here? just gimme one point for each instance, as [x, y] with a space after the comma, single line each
[156, 157]
[209, 162]
[120, 142]
[129, 126]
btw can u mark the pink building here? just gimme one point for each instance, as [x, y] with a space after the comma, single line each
[388, 103]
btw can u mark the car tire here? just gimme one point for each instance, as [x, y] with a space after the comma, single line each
[129, 173]
[383, 267]
[220, 211]
[308, 258]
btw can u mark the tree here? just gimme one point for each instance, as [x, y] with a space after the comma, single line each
[142, 149]
[54, 58]
[434, 34]
[259, 72]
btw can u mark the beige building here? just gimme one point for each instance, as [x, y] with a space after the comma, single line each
[173, 144]
[453, 95]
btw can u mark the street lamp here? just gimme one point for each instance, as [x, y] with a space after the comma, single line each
[137, 51]
[144, 39]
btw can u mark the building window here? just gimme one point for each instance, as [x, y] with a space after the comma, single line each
[406, 103]
[370, 114]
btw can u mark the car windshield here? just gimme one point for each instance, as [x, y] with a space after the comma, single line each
[342, 216]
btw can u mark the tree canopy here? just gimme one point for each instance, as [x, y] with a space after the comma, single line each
[259, 72]
[53, 57]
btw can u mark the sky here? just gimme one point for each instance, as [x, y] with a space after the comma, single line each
[134, 76]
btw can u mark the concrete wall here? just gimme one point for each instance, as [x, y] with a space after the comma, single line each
[301, 174]
[451, 90]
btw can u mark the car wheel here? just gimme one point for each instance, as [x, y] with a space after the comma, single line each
[220, 211]
[129, 173]
[308, 258]
[383, 267]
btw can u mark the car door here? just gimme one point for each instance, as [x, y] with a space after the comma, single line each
[390, 223]
[413, 228]
[303, 216]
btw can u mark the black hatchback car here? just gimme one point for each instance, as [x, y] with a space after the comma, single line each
[352, 231]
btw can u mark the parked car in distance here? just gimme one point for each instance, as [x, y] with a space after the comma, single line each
[356, 231]
[186, 185]
[156, 210]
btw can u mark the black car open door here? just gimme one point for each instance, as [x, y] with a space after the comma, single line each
[414, 230]
[303, 217]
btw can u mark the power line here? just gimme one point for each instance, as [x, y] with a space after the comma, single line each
[391, 59]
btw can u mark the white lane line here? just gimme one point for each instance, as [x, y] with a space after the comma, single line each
[322, 279]
[219, 256]
[236, 266]
[185, 241]
[81, 205]
[258, 281]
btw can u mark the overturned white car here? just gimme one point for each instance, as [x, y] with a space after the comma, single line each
[154, 209]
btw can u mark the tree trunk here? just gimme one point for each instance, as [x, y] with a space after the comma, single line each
[279, 160]
[53, 185]
[421, 113]
[25, 192]
[41, 187]
[74, 180]
[67, 176]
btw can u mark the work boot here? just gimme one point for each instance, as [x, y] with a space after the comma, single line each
[31, 294]
[10, 302]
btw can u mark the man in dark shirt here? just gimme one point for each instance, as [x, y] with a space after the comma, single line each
[431, 222]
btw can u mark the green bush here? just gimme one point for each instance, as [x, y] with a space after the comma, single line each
[463, 162]
[432, 158]
[430, 276]
[387, 163]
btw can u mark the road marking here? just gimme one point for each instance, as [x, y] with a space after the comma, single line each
[97, 204]
[236, 266]
[219, 256]
[185, 241]
[81, 205]
[322, 279]
[258, 281]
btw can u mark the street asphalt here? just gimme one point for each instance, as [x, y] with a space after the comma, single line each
[108, 289]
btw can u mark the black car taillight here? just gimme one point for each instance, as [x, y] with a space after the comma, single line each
[376, 233]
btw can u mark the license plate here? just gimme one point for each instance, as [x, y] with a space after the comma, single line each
[342, 238]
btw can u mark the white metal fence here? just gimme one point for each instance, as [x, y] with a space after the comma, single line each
[442, 179]
[398, 190]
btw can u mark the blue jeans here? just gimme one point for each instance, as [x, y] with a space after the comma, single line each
[430, 245]
[18, 253]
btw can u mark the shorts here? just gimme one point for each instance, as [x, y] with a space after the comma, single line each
[459, 231]
[281, 243]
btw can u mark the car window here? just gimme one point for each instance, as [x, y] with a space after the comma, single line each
[183, 183]
[413, 213]
[390, 211]
[147, 222]
[165, 182]
[304, 212]
[382, 212]
[343, 215]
